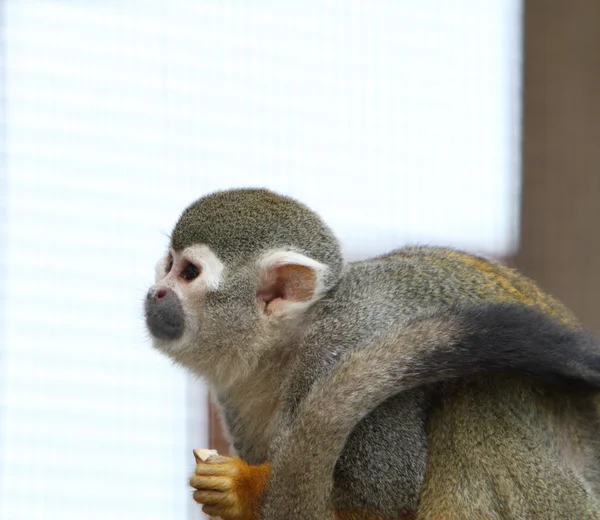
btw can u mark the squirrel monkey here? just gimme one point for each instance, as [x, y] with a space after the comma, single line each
[423, 384]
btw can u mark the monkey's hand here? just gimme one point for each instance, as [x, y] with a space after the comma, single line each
[229, 488]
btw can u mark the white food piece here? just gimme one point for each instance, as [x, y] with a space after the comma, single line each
[204, 454]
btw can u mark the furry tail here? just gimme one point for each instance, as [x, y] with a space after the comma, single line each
[497, 338]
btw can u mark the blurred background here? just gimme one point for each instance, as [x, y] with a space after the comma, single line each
[450, 122]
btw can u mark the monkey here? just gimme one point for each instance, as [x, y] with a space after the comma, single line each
[426, 383]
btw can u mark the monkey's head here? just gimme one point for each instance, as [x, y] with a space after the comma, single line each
[242, 266]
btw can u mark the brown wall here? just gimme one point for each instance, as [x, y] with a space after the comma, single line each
[561, 152]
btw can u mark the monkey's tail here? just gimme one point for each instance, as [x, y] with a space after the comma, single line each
[443, 345]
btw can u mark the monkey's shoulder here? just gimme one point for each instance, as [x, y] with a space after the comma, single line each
[447, 271]
[424, 277]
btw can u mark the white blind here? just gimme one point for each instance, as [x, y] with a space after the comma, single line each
[95, 422]
[396, 120]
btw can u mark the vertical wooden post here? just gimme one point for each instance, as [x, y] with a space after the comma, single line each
[560, 222]
[216, 438]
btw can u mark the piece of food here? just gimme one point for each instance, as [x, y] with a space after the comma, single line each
[202, 454]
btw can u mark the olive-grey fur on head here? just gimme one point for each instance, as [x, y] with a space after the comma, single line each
[263, 221]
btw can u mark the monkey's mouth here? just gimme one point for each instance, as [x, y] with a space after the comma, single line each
[164, 321]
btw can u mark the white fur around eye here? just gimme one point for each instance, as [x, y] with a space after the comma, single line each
[212, 267]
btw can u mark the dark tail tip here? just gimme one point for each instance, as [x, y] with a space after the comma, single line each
[511, 338]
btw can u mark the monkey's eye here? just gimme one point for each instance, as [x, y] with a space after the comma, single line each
[190, 272]
[169, 264]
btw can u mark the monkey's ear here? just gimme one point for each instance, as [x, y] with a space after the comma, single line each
[288, 282]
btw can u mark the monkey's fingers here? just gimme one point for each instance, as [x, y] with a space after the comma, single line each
[221, 504]
[214, 498]
[230, 468]
[212, 511]
[211, 483]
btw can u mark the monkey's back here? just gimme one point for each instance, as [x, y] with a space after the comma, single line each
[450, 276]
[475, 426]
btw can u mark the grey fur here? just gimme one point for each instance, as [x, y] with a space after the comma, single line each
[352, 401]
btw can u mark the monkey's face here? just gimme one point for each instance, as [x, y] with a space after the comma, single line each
[217, 319]
[185, 305]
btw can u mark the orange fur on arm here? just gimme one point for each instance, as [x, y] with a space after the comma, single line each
[249, 487]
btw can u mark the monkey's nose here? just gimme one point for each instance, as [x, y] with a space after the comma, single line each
[164, 314]
[157, 293]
